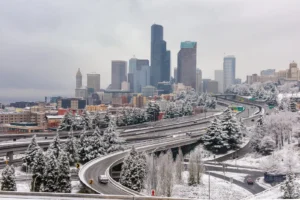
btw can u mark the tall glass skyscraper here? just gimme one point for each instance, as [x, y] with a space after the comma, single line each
[160, 57]
[228, 71]
[187, 61]
[140, 70]
[118, 73]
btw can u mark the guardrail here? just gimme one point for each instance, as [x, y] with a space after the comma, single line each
[81, 196]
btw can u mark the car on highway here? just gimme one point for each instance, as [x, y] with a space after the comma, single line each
[250, 181]
[252, 120]
[103, 179]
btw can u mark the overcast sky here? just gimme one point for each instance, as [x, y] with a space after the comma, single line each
[44, 42]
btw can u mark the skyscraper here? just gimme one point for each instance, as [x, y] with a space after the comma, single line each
[175, 74]
[141, 73]
[187, 61]
[198, 81]
[160, 57]
[78, 79]
[229, 71]
[219, 78]
[93, 82]
[118, 73]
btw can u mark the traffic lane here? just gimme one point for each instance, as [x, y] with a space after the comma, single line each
[250, 188]
[234, 170]
[100, 168]
[254, 186]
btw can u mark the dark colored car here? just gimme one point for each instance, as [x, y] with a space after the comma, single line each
[252, 120]
[250, 181]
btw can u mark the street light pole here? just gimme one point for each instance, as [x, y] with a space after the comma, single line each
[209, 185]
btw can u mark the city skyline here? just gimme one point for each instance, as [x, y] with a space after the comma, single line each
[53, 45]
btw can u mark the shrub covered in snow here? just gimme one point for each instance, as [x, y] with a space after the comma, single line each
[291, 189]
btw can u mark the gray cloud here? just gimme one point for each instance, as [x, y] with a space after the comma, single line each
[42, 43]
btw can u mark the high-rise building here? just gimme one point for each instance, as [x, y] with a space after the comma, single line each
[130, 80]
[140, 70]
[118, 73]
[160, 57]
[93, 82]
[187, 61]
[198, 80]
[78, 79]
[212, 87]
[219, 78]
[205, 84]
[293, 71]
[175, 74]
[229, 71]
[267, 72]
[238, 81]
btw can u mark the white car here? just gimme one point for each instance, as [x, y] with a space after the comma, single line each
[103, 179]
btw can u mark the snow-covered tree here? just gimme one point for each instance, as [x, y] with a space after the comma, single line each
[290, 187]
[231, 127]
[153, 111]
[86, 120]
[67, 122]
[266, 145]
[134, 170]
[71, 148]
[85, 146]
[215, 138]
[38, 168]
[30, 153]
[187, 109]
[192, 172]
[64, 175]
[51, 173]
[8, 181]
[111, 139]
[55, 146]
[178, 166]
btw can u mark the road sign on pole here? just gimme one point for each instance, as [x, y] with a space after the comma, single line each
[77, 165]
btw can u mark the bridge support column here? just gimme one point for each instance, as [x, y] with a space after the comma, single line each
[10, 156]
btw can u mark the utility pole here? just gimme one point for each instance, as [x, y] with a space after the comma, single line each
[209, 185]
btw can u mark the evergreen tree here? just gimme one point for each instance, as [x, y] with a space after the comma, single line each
[293, 106]
[133, 171]
[231, 127]
[8, 182]
[51, 173]
[38, 171]
[30, 153]
[111, 139]
[290, 188]
[96, 147]
[84, 146]
[64, 176]
[71, 148]
[86, 120]
[187, 109]
[266, 145]
[67, 122]
[215, 138]
[153, 111]
[55, 146]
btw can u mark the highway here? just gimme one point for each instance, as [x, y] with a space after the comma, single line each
[101, 165]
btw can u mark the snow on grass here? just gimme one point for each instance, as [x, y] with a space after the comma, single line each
[76, 186]
[237, 176]
[220, 189]
[23, 186]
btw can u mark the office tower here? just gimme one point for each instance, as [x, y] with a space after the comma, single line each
[267, 72]
[93, 82]
[175, 74]
[212, 87]
[130, 80]
[140, 70]
[238, 81]
[160, 57]
[205, 84]
[78, 79]
[118, 73]
[219, 78]
[293, 71]
[198, 81]
[187, 60]
[228, 71]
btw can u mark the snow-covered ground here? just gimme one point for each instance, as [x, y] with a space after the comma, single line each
[260, 181]
[281, 95]
[24, 186]
[219, 189]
